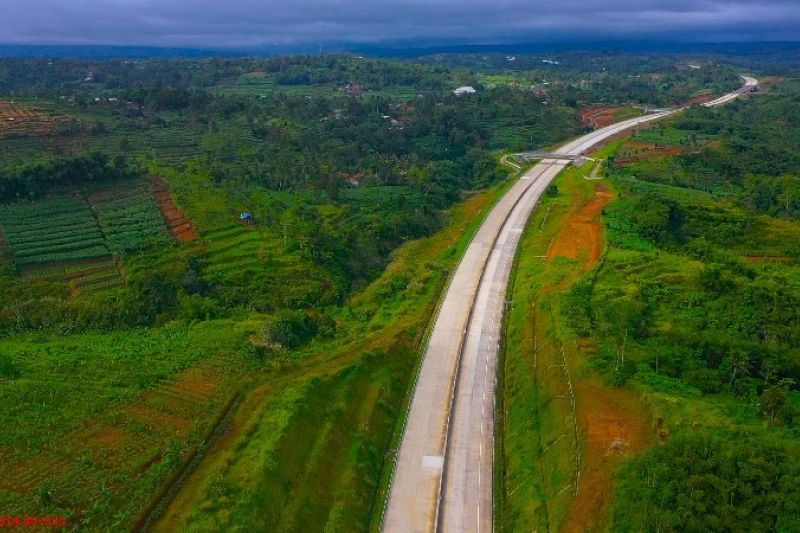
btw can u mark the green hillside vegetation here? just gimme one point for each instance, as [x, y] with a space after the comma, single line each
[122, 348]
[55, 230]
[139, 401]
[690, 317]
[695, 305]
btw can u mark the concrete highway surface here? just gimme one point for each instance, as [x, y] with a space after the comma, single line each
[443, 474]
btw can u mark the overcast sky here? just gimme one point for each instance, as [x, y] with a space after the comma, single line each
[237, 23]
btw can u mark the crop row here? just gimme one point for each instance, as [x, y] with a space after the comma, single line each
[37, 239]
[56, 201]
[139, 212]
[105, 284]
[69, 271]
[65, 247]
[102, 202]
[43, 228]
[50, 225]
[47, 226]
[132, 220]
[84, 253]
[133, 242]
[100, 275]
[50, 221]
[43, 208]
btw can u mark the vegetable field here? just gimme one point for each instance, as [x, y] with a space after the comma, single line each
[20, 121]
[129, 217]
[80, 237]
[62, 229]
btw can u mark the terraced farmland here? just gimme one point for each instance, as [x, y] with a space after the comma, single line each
[129, 217]
[237, 247]
[18, 120]
[80, 238]
[61, 229]
[180, 226]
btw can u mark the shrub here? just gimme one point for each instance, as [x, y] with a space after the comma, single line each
[7, 367]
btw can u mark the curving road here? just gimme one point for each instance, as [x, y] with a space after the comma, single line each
[443, 474]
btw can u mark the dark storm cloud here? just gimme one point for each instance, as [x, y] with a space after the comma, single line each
[214, 23]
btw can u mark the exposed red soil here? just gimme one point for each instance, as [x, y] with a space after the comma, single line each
[179, 224]
[158, 421]
[615, 424]
[105, 436]
[172, 409]
[24, 475]
[581, 237]
[599, 116]
[769, 81]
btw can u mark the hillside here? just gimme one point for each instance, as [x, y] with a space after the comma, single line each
[653, 385]
[216, 274]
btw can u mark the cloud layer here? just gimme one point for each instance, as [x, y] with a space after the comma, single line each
[237, 23]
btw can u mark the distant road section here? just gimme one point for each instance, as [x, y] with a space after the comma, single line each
[443, 475]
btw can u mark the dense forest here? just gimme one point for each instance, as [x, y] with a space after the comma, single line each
[328, 151]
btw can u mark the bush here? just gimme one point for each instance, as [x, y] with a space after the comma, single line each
[288, 329]
[7, 367]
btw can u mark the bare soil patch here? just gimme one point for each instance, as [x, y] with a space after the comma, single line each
[179, 224]
[599, 116]
[615, 425]
[581, 237]
[635, 151]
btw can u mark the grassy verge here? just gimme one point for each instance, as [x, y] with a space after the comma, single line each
[554, 429]
[312, 444]
[531, 421]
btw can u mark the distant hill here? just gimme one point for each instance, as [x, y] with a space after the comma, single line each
[91, 51]
[789, 51]
[729, 48]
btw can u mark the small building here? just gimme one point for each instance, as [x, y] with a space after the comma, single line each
[466, 89]
[246, 217]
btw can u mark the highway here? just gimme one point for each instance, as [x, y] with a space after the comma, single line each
[442, 478]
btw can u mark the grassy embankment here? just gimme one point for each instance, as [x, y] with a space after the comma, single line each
[311, 444]
[127, 409]
[682, 337]
[559, 422]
